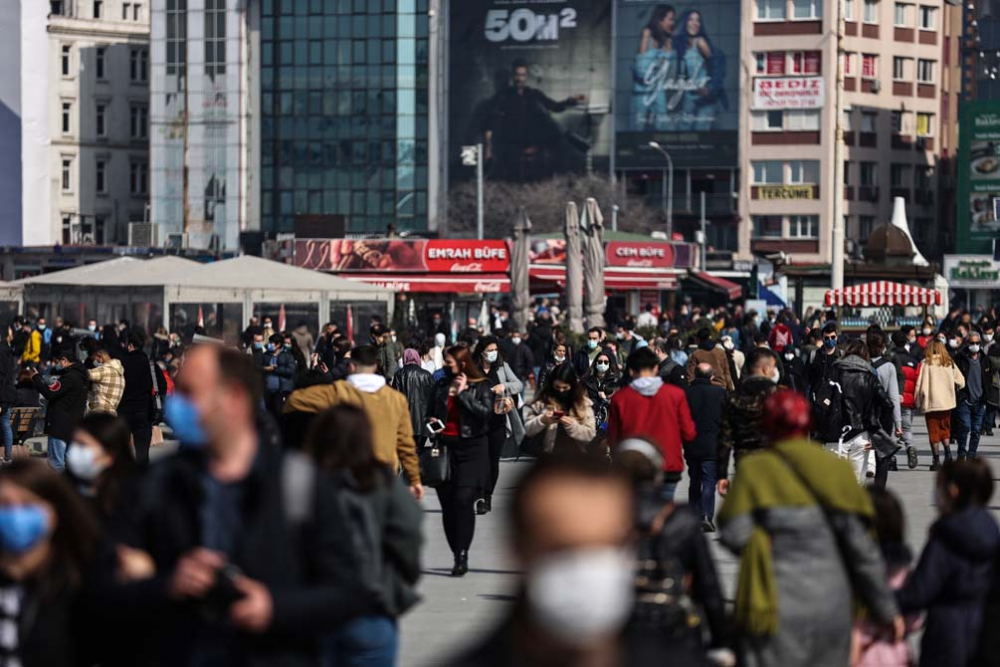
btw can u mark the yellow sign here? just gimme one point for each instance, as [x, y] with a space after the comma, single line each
[784, 192]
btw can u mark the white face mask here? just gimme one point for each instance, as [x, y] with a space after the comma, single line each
[954, 343]
[516, 340]
[559, 360]
[80, 460]
[988, 338]
[775, 376]
[789, 356]
[603, 368]
[974, 348]
[729, 345]
[578, 596]
[927, 331]
[491, 356]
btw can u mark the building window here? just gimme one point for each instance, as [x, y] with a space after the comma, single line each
[899, 68]
[849, 66]
[67, 116]
[869, 65]
[101, 177]
[871, 11]
[925, 124]
[138, 178]
[771, 10]
[928, 17]
[67, 174]
[766, 226]
[177, 37]
[126, 7]
[866, 223]
[138, 65]
[847, 173]
[869, 171]
[760, 58]
[215, 37]
[802, 119]
[922, 178]
[848, 120]
[57, 7]
[807, 9]
[136, 12]
[803, 226]
[99, 56]
[868, 120]
[138, 121]
[900, 175]
[848, 10]
[925, 71]
[66, 53]
[806, 62]
[803, 172]
[100, 120]
[67, 229]
[98, 8]
[768, 121]
[900, 11]
[767, 172]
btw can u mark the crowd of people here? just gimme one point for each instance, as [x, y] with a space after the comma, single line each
[287, 529]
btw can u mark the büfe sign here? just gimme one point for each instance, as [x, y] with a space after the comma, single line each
[639, 255]
[405, 255]
[788, 92]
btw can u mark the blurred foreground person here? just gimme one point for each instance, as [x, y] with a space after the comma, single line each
[384, 527]
[677, 587]
[800, 522]
[572, 523]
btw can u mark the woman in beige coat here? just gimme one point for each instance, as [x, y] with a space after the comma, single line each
[935, 395]
[563, 417]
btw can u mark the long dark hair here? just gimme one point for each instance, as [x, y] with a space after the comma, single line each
[76, 533]
[114, 436]
[682, 41]
[660, 12]
[564, 373]
[340, 439]
[466, 364]
[481, 350]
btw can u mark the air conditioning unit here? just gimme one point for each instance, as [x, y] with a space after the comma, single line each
[876, 85]
[143, 234]
[177, 241]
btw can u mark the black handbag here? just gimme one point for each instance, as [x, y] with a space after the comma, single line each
[434, 468]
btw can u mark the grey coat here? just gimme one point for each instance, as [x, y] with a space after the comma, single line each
[515, 427]
[814, 580]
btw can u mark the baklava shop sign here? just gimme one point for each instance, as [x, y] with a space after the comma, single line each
[788, 92]
[972, 271]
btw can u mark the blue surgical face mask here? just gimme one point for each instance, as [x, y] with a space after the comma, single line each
[830, 342]
[603, 368]
[22, 527]
[258, 345]
[182, 416]
[592, 344]
[270, 347]
[491, 356]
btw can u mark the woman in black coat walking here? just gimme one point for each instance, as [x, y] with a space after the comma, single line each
[463, 405]
[505, 420]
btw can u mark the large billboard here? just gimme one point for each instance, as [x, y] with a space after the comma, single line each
[403, 255]
[531, 80]
[978, 177]
[677, 83]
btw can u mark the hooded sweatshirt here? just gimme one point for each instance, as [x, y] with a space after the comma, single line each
[656, 412]
[107, 384]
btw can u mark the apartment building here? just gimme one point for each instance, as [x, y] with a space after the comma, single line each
[76, 171]
[897, 59]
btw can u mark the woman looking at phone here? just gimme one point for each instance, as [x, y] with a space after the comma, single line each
[562, 416]
[463, 403]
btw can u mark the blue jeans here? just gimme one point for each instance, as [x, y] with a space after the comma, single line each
[970, 423]
[7, 431]
[701, 493]
[57, 453]
[668, 490]
[369, 641]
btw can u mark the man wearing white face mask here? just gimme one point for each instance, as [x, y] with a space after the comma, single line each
[572, 522]
[992, 351]
[975, 367]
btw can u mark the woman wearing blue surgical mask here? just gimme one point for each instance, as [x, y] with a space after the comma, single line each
[47, 545]
[505, 423]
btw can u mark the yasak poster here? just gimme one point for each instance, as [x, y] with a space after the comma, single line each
[403, 255]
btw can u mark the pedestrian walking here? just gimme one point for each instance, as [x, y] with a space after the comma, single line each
[505, 424]
[935, 395]
[279, 375]
[793, 371]
[540, 341]
[389, 352]
[602, 381]
[463, 405]
[560, 356]
[889, 418]
[32, 351]
[561, 418]
[778, 517]
[710, 353]
[652, 410]
[137, 404]
[909, 368]
[304, 339]
[669, 370]
[107, 382]
[66, 394]
[972, 398]
[583, 359]
[741, 422]
[706, 402]
[8, 392]
[992, 349]
[952, 577]
[417, 385]
[384, 530]
[820, 367]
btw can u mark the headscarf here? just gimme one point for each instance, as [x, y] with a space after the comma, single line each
[410, 356]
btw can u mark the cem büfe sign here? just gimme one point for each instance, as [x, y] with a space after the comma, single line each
[404, 255]
[640, 255]
[788, 92]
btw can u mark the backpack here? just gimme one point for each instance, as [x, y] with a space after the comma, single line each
[828, 412]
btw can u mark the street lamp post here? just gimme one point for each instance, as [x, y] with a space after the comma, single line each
[473, 156]
[668, 187]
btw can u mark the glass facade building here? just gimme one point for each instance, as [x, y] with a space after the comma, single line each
[343, 122]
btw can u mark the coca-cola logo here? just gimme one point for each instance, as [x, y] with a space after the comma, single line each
[467, 268]
[485, 286]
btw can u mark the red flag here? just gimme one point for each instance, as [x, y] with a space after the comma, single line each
[201, 318]
[350, 324]
[281, 318]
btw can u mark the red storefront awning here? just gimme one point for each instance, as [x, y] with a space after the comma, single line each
[614, 279]
[461, 283]
[715, 283]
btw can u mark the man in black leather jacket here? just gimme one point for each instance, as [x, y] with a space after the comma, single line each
[864, 400]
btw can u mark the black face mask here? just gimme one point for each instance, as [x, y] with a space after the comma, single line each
[562, 396]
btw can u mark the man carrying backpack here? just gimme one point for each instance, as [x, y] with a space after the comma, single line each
[821, 361]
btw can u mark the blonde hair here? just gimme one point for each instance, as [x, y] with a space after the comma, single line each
[937, 354]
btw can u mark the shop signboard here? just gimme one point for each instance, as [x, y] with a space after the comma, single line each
[620, 254]
[403, 255]
[972, 271]
[978, 223]
[677, 82]
[788, 92]
[784, 191]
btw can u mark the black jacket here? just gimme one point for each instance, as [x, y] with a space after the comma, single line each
[707, 403]
[951, 581]
[673, 373]
[864, 397]
[418, 386]
[8, 375]
[271, 547]
[137, 400]
[67, 397]
[986, 370]
[741, 428]
[476, 404]
[540, 341]
[52, 628]
[820, 367]
[520, 359]
[794, 375]
[609, 384]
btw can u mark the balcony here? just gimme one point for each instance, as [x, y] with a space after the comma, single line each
[902, 88]
[810, 137]
[782, 28]
[850, 84]
[902, 142]
[926, 90]
[869, 30]
[868, 140]
[928, 37]
[851, 28]
[903, 34]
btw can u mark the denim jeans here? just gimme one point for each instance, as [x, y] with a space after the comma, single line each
[368, 641]
[907, 415]
[7, 431]
[668, 490]
[701, 493]
[970, 422]
[57, 453]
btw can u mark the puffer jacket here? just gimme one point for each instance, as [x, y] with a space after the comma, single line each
[417, 385]
[910, 368]
[935, 391]
[282, 378]
[865, 399]
[476, 404]
[741, 429]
